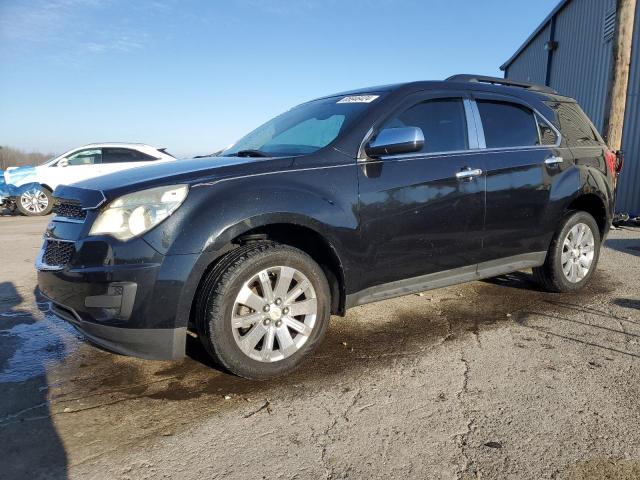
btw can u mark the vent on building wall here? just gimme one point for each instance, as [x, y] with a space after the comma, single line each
[609, 27]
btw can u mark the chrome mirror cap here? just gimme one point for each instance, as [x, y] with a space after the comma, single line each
[393, 141]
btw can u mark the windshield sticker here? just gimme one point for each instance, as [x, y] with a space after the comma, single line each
[358, 99]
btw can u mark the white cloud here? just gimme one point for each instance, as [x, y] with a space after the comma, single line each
[67, 26]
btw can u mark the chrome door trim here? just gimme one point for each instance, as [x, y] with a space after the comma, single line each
[472, 127]
[482, 144]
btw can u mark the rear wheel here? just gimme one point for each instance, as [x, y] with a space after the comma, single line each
[36, 201]
[573, 255]
[263, 309]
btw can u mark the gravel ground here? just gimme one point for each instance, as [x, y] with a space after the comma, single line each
[491, 379]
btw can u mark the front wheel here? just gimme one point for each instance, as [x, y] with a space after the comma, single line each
[263, 309]
[34, 202]
[573, 255]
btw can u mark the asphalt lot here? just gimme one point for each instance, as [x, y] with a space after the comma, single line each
[491, 379]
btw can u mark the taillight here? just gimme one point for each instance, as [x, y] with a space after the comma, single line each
[619, 161]
[611, 161]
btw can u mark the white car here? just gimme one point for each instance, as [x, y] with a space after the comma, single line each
[74, 166]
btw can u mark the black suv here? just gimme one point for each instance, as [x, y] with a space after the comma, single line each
[344, 200]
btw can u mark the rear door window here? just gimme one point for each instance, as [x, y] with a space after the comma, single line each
[507, 124]
[443, 123]
[124, 155]
[575, 126]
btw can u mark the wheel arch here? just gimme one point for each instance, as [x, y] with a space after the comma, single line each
[297, 233]
[594, 205]
[314, 244]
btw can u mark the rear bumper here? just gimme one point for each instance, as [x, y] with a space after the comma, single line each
[149, 343]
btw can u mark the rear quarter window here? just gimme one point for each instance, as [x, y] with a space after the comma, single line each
[124, 155]
[575, 126]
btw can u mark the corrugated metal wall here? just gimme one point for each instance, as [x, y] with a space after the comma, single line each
[629, 187]
[531, 64]
[580, 68]
[582, 63]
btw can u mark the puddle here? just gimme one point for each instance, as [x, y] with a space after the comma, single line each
[32, 345]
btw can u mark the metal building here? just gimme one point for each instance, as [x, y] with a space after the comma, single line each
[572, 51]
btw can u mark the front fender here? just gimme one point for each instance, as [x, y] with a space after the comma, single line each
[324, 200]
[216, 213]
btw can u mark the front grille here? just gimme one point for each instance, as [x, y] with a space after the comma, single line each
[69, 210]
[58, 253]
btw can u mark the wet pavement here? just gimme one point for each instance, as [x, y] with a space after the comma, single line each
[491, 379]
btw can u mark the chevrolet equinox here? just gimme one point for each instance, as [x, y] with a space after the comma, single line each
[348, 199]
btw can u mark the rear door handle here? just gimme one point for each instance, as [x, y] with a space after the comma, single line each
[554, 160]
[469, 173]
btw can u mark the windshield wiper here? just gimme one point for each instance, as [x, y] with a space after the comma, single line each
[250, 153]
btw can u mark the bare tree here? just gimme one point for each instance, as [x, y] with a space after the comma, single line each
[13, 157]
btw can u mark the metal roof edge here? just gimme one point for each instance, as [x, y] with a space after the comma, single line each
[535, 33]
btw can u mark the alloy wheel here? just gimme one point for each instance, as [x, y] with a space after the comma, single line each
[34, 200]
[274, 314]
[578, 251]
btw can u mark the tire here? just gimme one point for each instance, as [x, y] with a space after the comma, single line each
[229, 281]
[551, 276]
[35, 202]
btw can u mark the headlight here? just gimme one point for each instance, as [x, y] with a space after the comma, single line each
[136, 213]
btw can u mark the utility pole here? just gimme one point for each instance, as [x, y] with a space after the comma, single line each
[619, 77]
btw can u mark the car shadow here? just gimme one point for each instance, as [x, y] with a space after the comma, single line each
[627, 303]
[26, 344]
[630, 246]
[519, 280]
[583, 324]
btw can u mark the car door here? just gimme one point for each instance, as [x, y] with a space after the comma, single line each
[117, 159]
[77, 166]
[423, 212]
[523, 157]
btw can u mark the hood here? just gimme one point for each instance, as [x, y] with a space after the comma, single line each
[190, 171]
[19, 176]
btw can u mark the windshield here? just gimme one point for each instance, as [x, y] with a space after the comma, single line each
[303, 129]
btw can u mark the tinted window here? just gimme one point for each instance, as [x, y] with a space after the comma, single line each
[124, 155]
[314, 132]
[85, 157]
[306, 128]
[547, 134]
[507, 124]
[443, 123]
[574, 124]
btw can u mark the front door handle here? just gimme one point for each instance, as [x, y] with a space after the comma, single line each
[468, 173]
[553, 160]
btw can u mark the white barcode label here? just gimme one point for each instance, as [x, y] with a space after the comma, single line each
[358, 99]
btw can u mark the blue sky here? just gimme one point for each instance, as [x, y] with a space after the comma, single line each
[195, 75]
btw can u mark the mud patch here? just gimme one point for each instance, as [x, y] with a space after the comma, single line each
[605, 469]
[369, 337]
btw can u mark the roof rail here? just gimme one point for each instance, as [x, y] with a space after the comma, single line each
[500, 81]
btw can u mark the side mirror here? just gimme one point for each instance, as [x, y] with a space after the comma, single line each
[392, 141]
[63, 163]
